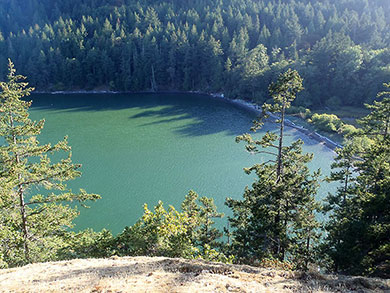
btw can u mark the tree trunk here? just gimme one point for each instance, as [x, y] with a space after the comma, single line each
[279, 171]
[346, 181]
[22, 204]
[279, 174]
[24, 222]
[307, 249]
[153, 80]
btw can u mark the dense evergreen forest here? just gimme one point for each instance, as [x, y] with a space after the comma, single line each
[340, 47]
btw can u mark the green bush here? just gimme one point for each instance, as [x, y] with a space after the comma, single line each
[326, 122]
[88, 244]
[300, 111]
[158, 233]
[188, 234]
[347, 130]
[211, 254]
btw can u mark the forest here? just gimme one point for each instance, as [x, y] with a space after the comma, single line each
[316, 54]
[237, 47]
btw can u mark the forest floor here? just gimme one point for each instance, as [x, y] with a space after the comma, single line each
[160, 274]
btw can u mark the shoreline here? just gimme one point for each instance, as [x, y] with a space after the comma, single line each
[257, 109]
[86, 92]
[239, 102]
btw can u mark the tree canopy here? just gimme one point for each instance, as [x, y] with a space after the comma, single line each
[276, 216]
[341, 48]
[358, 239]
[34, 198]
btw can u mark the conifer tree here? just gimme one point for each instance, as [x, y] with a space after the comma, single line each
[33, 192]
[276, 217]
[377, 123]
[340, 206]
[201, 216]
[358, 240]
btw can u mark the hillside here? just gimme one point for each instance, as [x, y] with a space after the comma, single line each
[160, 274]
[237, 47]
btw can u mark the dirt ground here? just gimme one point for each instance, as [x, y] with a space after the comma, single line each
[160, 274]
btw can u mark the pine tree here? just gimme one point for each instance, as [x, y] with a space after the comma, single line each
[340, 207]
[358, 238]
[201, 218]
[373, 189]
[377, 123]
[276, 217]
[35, 222]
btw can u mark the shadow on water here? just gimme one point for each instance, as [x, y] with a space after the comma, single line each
[125, 138]
[201, 114]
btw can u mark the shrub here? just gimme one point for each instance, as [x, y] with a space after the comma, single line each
[88, 244]
[158, 233]
[188, 234]
[348, 130]
[326, 122]
[211, 254]
[300, 111]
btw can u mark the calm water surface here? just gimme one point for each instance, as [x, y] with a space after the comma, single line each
[138, 149]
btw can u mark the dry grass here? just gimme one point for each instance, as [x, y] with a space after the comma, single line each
[160, 274]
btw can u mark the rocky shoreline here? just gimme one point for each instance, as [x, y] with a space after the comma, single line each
[257, 109]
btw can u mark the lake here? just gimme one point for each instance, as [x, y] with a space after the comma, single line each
[142, 148]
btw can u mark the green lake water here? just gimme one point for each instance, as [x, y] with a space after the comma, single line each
[141, 148]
